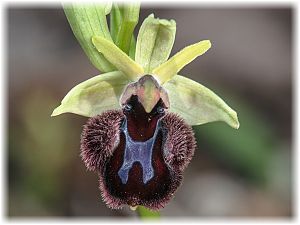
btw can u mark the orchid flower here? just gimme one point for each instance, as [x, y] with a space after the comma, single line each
[139, 137]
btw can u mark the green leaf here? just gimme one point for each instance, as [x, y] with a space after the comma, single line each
[94, 96]
[118, 58]
[154, 42]
[170, 68]
[130, 18]
[145, 213]
[237, 149]
[87, 21]
[197, 104]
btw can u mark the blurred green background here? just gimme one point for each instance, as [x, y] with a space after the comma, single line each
[234, 173]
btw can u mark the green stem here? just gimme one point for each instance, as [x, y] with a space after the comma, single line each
[115, 21]
[130, 18]
[146, 214]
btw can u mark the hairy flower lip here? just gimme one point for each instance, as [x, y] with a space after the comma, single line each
[160, 190]
[126, 181]
[173, 151]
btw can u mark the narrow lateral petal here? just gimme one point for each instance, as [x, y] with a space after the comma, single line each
[118, 58]
[170, 68]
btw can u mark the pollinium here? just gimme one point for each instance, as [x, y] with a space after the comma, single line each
[141, 151]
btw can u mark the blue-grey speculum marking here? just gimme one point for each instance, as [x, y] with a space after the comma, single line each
[136, 151]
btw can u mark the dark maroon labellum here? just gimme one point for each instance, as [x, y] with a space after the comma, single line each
[139, 156]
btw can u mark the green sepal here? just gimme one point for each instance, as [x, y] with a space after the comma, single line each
[170, 68]
[94, 95]
[87, 20]
[118, 58]
[147, 214]
[197, 104]
[154, 42]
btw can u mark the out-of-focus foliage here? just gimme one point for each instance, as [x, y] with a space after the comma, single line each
[250, 150]
[40, 156]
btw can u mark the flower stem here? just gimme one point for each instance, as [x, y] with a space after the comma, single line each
[146, 214]
[129, 19]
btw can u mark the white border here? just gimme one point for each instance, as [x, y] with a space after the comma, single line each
[212, 3]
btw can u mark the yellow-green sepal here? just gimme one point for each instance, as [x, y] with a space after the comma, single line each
[197, 104]
[170, 68]
[118, 58]
[87, 20]
[154, 42]
[94, 95]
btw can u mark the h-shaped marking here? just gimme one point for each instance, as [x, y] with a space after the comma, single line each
[137, 151]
